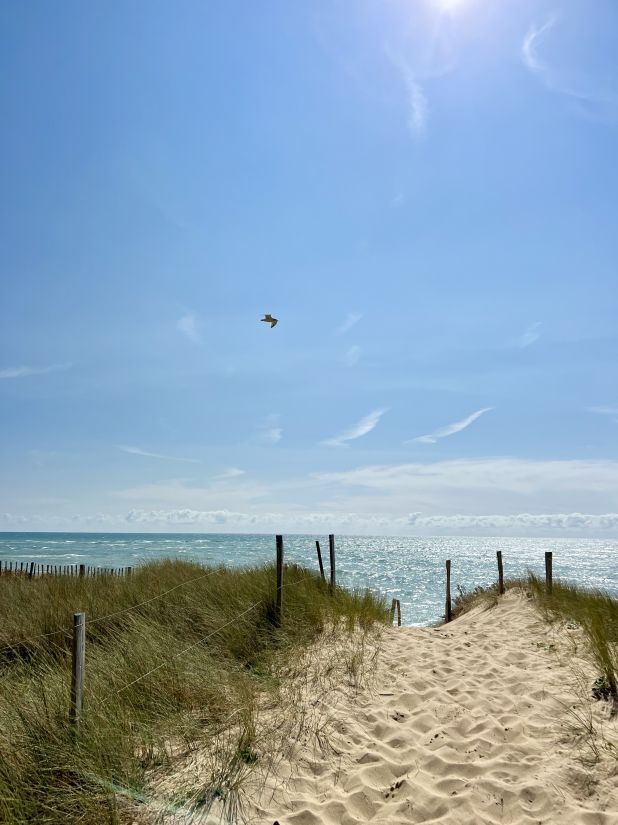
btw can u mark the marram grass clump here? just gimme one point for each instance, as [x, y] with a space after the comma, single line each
[596, 612]
[180, 672]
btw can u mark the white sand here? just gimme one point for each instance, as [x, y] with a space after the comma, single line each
[466, 724]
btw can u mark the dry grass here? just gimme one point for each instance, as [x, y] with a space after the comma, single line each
[596, 613]
[212, 653]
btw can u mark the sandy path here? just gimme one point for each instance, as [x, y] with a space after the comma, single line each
[465, 724]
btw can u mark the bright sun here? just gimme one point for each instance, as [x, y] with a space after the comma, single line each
[449, 5]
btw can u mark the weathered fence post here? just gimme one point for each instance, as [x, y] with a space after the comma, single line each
[82, 570]
[129, 569]
[279, 541]
[500, 573]
[333, 571]
[548, 571]
[393, 607]
[448, 609]
[31, 573]
[77, 669]
[317, 547]
[398, 613]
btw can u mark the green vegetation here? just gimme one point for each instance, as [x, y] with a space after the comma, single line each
[183, 672]
[466, 599]
[596, 613]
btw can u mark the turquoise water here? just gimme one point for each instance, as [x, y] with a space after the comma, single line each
[411, 569]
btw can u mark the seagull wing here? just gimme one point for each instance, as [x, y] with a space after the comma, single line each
[273, 321]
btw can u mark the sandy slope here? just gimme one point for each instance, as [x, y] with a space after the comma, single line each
[466, 724]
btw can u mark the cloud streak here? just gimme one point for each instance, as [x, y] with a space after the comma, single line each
[418, 108]
[188, 325]
[351, 320]
[529, 53]
[352, 356]
[531, 334]
[450, 429]
[603, 410]
[270, 431]
[231, 472]
[147, 454]
[363, 427]
[23, 372]
[595, 101]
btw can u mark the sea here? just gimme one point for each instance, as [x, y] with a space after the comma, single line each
[410, 569]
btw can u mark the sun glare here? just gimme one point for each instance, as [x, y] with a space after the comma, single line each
[449, 5]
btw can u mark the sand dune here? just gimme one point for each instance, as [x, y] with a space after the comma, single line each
[474, 722]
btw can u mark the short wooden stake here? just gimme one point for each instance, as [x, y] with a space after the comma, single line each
[82, 570]
[393, 608]
[279, 605]
[500, 573]
[77, 669]
[31, 573]
[317, 547]
[398, 613]
[129, 569]
[448, 609]
[333, 570]
[548, 572]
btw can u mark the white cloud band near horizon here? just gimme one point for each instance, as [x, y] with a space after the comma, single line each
[450, 429]
[363, 427]
[324, 521]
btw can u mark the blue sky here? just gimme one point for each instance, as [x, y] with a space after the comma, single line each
[423, 193]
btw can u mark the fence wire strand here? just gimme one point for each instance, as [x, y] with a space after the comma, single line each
[195, 644]
[115, 613]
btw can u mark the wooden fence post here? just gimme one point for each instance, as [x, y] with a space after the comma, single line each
[548, 572]
[333, 571]
[129, 569]
[448, 610]
[82, 570]
[317, 547]
[31, 573]
[500, 573]
[77, 669]
[393, 607]
[398, 613]
[279, 542]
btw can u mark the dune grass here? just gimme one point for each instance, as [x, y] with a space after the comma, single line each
[182, 671]
[596, 612]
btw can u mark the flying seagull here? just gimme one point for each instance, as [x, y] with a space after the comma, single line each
[269, 318]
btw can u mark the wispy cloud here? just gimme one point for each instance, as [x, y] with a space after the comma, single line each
[352, 355]
[605, 410]
[590, 97]
[364, 426]
[189, 326]
[450, 429]
[529, 52]
[418, 108]
[23, 372]
[351, 319]
[270, 431]
[529, 336]
[138, 451]
[231, 472]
